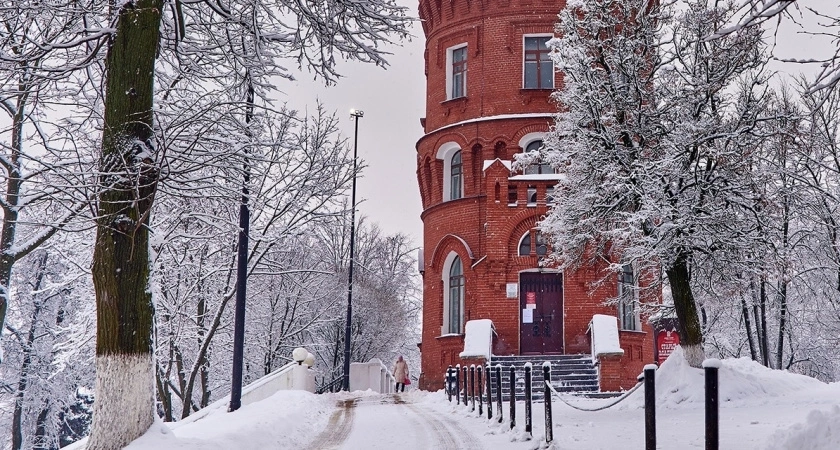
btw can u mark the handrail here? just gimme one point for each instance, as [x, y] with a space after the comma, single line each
[330, 386]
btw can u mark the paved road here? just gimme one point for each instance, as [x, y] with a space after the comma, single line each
[388, 422]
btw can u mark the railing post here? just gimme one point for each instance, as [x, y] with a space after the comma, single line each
[711, 366]
[449, 383]
[499, 391]
[512, 397]
[466, 393]
[472, 387]
[549, 423]
[650, 407]
[489, 384]
[478, 391]
[528, 423]
[458, 384]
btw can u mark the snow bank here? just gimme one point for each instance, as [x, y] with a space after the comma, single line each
[821, 431]
[478, 339]
[605, 336]
[740, 380]
[284, 420]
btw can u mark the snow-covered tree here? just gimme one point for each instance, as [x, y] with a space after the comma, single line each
[652, 140]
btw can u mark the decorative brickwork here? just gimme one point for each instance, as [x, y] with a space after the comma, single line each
[484, 227]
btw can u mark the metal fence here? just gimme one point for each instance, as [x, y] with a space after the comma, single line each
[465, 385]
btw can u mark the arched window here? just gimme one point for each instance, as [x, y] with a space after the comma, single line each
[455, 176]
[456, 296]
[540, 168]
[525, 244]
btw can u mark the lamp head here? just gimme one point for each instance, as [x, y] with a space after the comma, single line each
[299, 355]
[356, 113]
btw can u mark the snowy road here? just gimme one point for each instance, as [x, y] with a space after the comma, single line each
[391, 421]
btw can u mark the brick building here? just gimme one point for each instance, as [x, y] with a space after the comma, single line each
[489, 80]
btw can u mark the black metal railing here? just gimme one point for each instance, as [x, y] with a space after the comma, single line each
[471, 389]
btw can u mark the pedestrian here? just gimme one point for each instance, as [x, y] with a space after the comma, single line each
[400, 374]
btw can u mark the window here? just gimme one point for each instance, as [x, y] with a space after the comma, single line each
[457, 72]
[542, 247]
[540, 168]
[539, 70]
[627, 316]
[455, 176]
[539, 240]
[456, 296]
[525, 245]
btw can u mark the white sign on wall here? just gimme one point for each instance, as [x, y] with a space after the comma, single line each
[512, 290]
[527, 315]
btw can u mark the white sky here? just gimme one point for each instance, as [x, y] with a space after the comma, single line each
[393, 100]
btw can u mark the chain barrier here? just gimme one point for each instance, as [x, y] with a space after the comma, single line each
[600, 408]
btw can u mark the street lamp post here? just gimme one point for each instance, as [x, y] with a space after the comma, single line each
[356, 114]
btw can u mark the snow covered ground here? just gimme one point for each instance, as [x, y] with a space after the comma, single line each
[760, 409]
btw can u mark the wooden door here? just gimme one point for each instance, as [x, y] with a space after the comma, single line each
[541, 328]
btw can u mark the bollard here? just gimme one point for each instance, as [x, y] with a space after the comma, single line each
[458, 384]
[710, 367]
[650, 406]
[478, 391]
[528, 397]
[512, 397]
[499, 391]
[464, 369]
[449, 383]
[489, 392]
[472, 387]
[549, 423]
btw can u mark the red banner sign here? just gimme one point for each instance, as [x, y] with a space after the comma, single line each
[666, 342]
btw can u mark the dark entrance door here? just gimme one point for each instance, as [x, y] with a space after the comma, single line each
[541, 328]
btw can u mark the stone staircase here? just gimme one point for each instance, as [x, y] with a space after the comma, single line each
[569, 373]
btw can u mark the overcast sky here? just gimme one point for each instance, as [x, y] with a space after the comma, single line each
[393, 100]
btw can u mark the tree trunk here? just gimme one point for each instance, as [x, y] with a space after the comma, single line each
[745, 312]
[10, 209]
[23, 381]
[762, 320]
[691, 334]
[125, 393]
[42, 441]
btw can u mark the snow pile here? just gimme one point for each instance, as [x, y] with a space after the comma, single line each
[740, 380]
[605, 336]
[478, 339]
[284, 420]
[821, 431]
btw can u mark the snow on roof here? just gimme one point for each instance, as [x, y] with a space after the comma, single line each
[605, 335]
[478, 339]
[539, 177]
[489, 162]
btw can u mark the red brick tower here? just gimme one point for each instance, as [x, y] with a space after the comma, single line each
[489, 79]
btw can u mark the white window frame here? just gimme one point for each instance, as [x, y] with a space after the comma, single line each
[445, 153]
[449, 74]
[530, 246]
[447, 267]
[548, 35]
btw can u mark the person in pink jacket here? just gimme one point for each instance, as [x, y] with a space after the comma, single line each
[400, 374]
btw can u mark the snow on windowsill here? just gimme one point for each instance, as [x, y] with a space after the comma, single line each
[449, 335]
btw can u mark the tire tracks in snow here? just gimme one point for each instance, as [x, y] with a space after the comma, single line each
[447, 435]
[338, 428]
